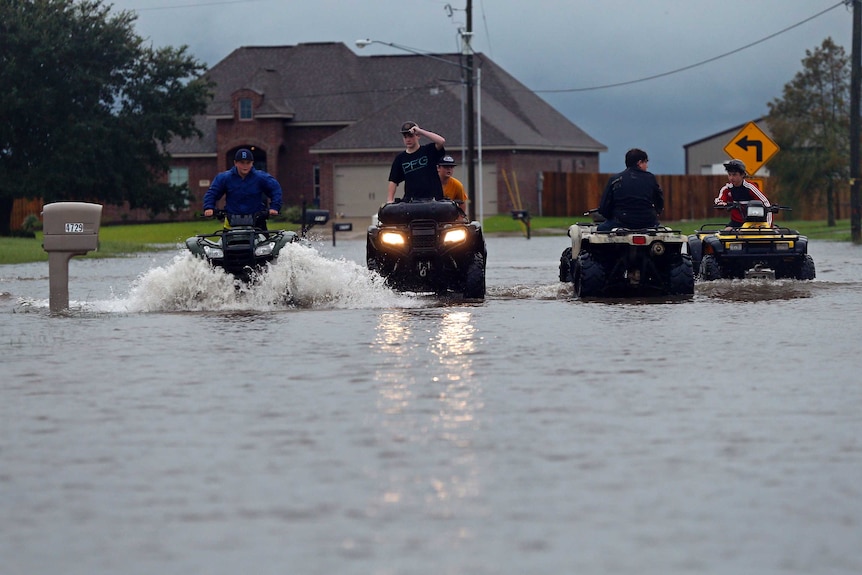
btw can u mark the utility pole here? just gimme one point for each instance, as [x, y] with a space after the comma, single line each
[855, 85]
[471, 116]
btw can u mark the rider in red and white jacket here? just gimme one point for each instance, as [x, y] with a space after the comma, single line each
[738, 189]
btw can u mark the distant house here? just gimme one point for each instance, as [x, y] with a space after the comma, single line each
[325, 122]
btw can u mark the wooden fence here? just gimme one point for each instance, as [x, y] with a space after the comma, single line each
[685, 197]
[22, 208]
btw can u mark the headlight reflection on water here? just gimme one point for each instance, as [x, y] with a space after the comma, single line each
[429, 399]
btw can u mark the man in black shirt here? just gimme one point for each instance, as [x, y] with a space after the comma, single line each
[416, 166]
[632, 198]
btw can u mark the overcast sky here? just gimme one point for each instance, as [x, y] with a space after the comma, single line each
[558, 48]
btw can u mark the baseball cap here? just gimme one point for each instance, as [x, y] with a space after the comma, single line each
[405, 127]
[244, 154]
[447, 161]
[735, 166]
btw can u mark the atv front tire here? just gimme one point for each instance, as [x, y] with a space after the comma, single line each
[806, 269]
[695, 250]
[474, 278]
[710, 269]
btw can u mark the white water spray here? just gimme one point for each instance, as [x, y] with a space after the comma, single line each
[301, 278]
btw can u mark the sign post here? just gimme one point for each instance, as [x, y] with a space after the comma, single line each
[340, 227]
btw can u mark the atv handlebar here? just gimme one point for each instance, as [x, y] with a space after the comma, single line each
[222, 215]
[772, 208]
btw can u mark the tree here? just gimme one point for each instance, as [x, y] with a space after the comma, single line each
[811, 123]
[88, 107]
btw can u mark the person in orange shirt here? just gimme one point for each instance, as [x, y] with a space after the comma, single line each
[453, 189]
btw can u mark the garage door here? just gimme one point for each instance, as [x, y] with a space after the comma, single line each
[489, 189]
[359, 190]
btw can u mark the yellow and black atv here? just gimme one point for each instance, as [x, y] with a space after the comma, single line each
[757, 249]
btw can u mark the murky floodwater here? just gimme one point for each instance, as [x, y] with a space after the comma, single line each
[170, 425]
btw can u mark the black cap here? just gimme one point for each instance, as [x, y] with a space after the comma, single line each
[735, 166]
[447, 161]
[244, 154]
[405, 127]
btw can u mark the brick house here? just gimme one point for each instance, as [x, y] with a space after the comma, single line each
[324, 121]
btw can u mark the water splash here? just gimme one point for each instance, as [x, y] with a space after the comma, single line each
[736, 290]
[553, 291]
[301, 278]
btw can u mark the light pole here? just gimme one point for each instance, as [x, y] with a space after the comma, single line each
[855, 87]
[470, 159]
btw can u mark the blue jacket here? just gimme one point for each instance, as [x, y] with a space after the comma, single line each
[244, 196]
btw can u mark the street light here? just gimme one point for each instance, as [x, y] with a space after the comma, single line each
[471, 132]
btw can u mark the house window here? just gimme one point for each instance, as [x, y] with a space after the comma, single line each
[245, 111]
[179, 176]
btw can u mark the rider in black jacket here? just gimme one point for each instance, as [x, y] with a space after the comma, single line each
[632, 198]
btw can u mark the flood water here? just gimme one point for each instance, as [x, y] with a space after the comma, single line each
[169, 424]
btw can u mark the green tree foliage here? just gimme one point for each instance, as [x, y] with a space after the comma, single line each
[811, 125]
[88, 106]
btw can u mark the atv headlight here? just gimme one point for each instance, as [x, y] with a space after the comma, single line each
[213, 253]
[455, 236]
[756, 211]
[265, 249]
[392, 238]
[735, 246]
[783, 246]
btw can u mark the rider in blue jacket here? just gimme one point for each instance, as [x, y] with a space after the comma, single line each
[245, 189]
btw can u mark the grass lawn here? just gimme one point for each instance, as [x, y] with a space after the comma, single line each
[115, 241]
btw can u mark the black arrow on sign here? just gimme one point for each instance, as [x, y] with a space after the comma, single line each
[744, 143]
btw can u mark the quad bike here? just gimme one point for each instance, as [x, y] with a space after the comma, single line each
[243, 247]
[428, 246]
[626, 262]
[757, 249]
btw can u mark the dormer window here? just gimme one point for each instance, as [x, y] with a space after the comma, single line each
[245, 109]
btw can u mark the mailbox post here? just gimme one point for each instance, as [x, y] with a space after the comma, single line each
[524, 216]
[70, 229]
[340, 227]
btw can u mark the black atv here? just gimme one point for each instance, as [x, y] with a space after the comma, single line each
[626, 262]
[244, 247]
[757, 249]
[428, 246]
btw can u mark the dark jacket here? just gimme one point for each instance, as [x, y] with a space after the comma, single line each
[633, 198]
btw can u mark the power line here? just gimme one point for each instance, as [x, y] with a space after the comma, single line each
[690, 66]
[195, 5]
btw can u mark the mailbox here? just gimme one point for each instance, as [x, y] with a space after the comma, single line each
[316, 217]
[71, 227]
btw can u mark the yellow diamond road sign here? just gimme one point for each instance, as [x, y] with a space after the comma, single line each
[751, 146]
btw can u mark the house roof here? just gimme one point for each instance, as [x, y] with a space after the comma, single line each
[761, 121]
[328, 84]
